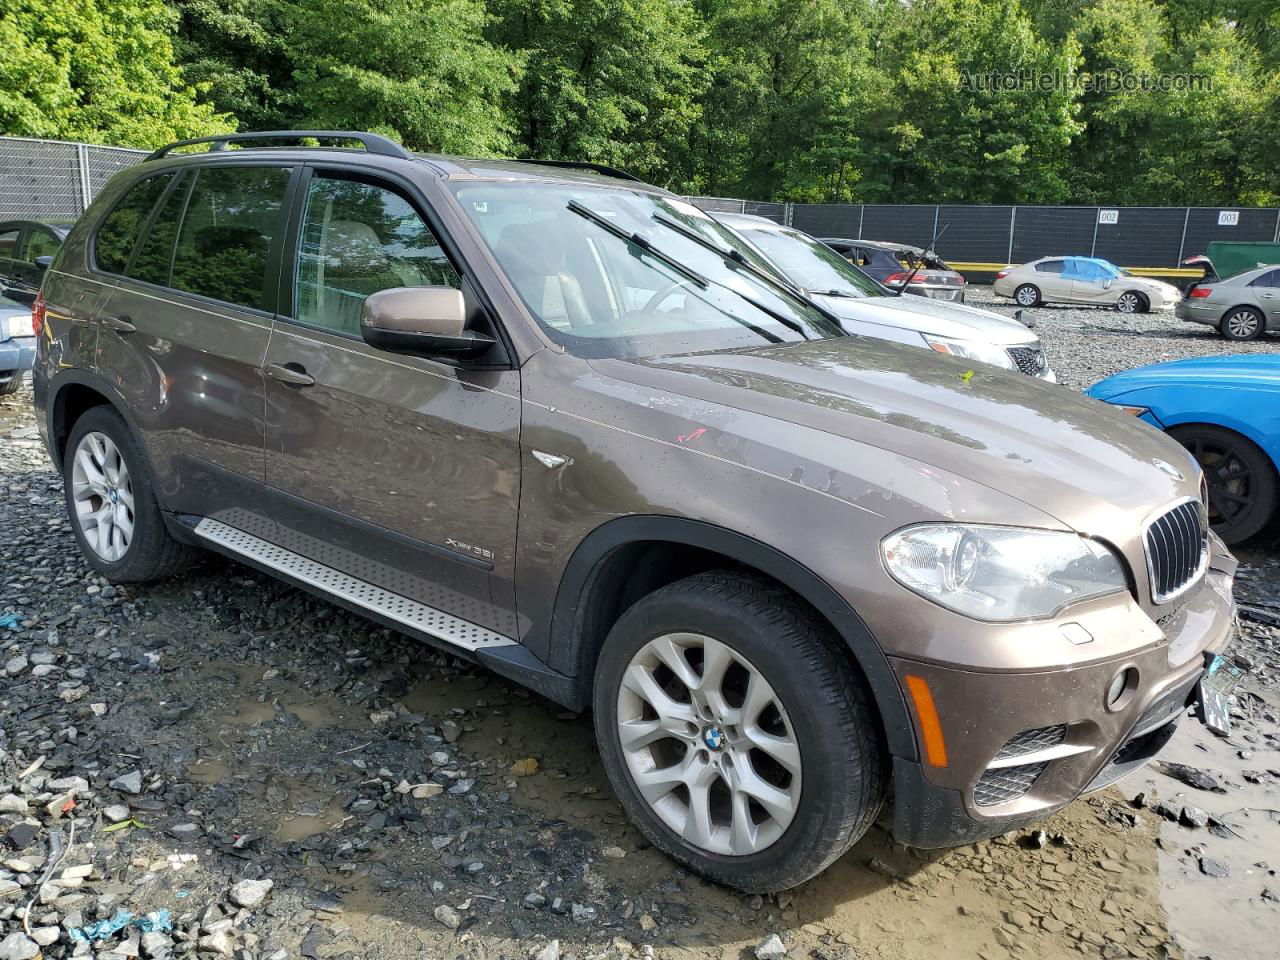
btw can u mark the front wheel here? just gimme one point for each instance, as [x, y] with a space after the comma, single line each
[736, 732]
[1242, 482]
[1132, 302]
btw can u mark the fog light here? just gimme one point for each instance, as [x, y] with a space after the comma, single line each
[1121, 688]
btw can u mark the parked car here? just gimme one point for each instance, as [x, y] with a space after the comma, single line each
[27, 248]
[17, 344]
[892, 264]
[1226, 411]
[865, 307]
[782, 564]
[1241, 307]
[1226, 258]
[1086, 280]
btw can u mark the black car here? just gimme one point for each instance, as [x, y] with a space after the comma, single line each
[27, 247]
[892, 263]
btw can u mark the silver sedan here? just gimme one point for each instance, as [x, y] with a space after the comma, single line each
[1242, 306]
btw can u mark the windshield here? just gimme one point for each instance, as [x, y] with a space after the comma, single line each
[599, 294]
[813, 265]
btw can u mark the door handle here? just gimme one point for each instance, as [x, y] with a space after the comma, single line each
[291, 373]
[119, 324]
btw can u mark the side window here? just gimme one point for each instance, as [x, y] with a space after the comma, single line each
[8, 244]
[232, 216]
[1270, 279]
[118, 233]
[1050, 266]
[357, 239]
[154, 260]
[40, 243]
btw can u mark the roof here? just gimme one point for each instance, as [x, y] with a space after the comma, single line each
[875, 244]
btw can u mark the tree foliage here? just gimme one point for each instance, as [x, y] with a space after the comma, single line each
[819, 100]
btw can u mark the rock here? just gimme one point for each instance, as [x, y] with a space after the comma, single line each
[451, 731]
[534, 900]
[12, 803]
[116, 813]
[221, 943]
[249, 894]
[583, 913]
[425, 791]
[156, 945]
[448, 916]
[130, 783]
[1213, 868]
[1193, 817]
[1192, 777]
[17, 946]
[22, 835]
[525, 768]
[770, 948]
[45, 936]
[15, 666]
[185, 832]
[550, 952]
[614, 853]
[9, 888]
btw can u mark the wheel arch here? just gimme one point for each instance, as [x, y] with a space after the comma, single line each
[1232, 424]
[1243, 305]
[627, 557]
[70, 394]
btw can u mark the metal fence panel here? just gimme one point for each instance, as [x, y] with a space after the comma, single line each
[53, 180]
[974, 234]
[718, 204]
[843, 220]
[1140, 236]
[777, 212]
[899, 223]
[1259, 225]
[1052, 231]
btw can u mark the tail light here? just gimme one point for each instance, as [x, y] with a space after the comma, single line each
[1001, 274]
[898, 279]
[1199, 293]
[37, 314]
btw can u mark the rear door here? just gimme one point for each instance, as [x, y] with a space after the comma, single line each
[185, 332]
[1050, 281]
[397, 470]
[1266, 291]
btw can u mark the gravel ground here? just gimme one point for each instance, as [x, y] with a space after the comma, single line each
[1086, 344]
[287, 780]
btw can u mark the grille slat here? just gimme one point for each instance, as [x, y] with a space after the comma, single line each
[1029, 360]
[1177, 544]
[1010, 783]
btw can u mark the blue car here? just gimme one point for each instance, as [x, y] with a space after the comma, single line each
[1226, 411]
[17, 344]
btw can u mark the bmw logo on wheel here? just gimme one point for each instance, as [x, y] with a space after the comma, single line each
[713, 738]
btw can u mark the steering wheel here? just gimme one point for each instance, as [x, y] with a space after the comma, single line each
[653, 302]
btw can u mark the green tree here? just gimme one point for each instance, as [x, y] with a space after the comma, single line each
[97, 70]
[419, 70]
[611, 81]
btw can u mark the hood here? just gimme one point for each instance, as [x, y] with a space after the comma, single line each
[1252, 371]
[1069, 456]
[937, 317]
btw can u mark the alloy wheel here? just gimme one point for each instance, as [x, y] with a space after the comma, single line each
[1026, 296]
[103, 495]
[708, 744]
[1228, 477]
[1242, 324]
[1128, 303]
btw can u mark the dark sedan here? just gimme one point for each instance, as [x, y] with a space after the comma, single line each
[27, 247]
[892, 264]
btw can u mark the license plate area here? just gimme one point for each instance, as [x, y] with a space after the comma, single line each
[1214, 694]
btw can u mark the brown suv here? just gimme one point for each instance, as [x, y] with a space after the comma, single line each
[561, 422]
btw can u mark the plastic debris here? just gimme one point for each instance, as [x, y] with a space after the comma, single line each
[157, 921]
[93, 932]
[10, 620]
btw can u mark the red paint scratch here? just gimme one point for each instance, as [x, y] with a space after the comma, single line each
[686, 437]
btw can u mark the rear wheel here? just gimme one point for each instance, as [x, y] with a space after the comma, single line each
[112, 504]
[1242, 323]
[1241, 479]
[1131, 301]
[736, 732]
[1027, 295]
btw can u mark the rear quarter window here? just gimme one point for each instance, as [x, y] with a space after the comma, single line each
[118, 233]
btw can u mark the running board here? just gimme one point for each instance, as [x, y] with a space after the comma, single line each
[395, 607]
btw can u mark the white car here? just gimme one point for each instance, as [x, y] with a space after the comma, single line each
[865, 307]
[1086, 280]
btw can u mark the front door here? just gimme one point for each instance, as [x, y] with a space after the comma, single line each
[27, 274]
[1267, 290]
[185, 331]
[400, 471]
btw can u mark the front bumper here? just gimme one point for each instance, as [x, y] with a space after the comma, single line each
[1021, 745]
[16, 357]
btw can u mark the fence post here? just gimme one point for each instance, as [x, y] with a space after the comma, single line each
[82, 164]
[1094, 242]
[1013, 218]
[786, 213]
[1182, 244]
[862, 212]
[936, 208]
[1277, 234]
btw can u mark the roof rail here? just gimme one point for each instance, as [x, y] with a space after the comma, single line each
[583, 165]
[372, 142]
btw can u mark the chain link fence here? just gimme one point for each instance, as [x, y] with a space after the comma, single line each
[55, 180]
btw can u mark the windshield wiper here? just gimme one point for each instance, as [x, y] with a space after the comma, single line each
[639, 241]
[837, 293]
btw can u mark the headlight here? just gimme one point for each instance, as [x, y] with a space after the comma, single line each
[19, 325]
[1129, 409]
[972, 350]
[1000, 573]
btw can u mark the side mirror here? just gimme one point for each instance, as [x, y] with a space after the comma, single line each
[427, 321]
[44, 263]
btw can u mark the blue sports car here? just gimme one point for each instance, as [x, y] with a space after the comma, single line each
[1226, 411]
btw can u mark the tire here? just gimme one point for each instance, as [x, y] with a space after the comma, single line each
[1242, 323]
[1131, 301]
[1027, 295]
[820, 708]
[147, 552]
[11, 386]
[1242, 480]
